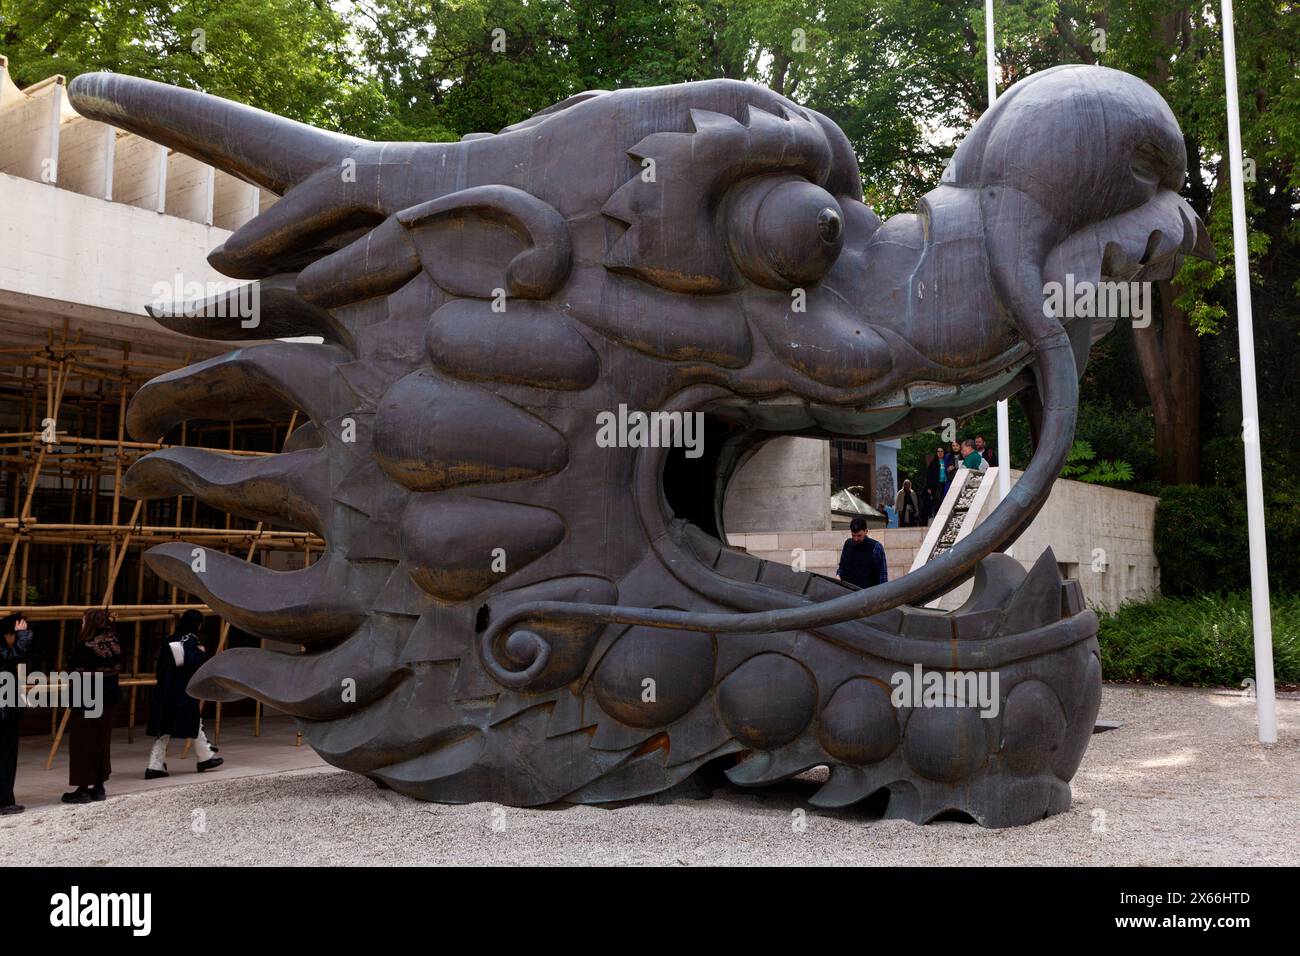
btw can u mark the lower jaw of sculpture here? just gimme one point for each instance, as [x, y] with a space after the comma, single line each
[939, 754]
[984, 711]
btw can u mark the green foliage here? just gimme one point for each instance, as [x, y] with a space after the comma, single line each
[911, 456]
[1202, 641]
[1202, 543]
[1084, 465]
[1119, 434]
[286, 56]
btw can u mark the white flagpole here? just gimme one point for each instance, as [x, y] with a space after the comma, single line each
[1004, 415]
[1259, 603]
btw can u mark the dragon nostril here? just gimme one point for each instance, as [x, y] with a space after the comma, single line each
[829, 224]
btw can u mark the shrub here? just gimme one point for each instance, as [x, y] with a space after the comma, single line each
[1200, 641]
[1202, 542]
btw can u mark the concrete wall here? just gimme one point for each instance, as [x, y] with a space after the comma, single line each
[61, 245]
[65, 256]
[1102, 537]
[787, 482]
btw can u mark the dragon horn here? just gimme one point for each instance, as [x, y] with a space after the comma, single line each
[256, 146]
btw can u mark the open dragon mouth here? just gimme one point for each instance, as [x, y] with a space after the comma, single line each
[690, 484]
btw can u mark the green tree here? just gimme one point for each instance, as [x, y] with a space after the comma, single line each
[287, 56]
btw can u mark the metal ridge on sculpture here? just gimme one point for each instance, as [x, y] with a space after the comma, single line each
[529, 617]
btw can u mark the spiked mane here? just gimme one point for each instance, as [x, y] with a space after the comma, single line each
[683, 175]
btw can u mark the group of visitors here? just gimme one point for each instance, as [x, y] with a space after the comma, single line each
[90, 729]
[862, 559]
[937, 476]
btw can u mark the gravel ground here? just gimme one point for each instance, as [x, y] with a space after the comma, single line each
[1182, 782]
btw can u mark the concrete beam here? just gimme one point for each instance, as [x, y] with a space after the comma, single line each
[67, 255]
[189, 188]
[29, 131]
[139, 172]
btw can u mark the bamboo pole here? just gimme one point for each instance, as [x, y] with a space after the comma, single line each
[135, 650]
[121, 435]
[122, 612]
[56, 396]
[121, 556]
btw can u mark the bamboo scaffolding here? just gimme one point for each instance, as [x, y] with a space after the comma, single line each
[67, 543]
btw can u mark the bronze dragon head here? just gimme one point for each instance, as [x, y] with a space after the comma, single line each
[527, 615]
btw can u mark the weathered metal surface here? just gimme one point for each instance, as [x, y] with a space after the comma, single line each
[512, 610]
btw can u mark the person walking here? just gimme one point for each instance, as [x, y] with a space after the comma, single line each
[15, 645]
[862, 560]
[923, 494]
[174, 712]
[90, 734]
[906, 505]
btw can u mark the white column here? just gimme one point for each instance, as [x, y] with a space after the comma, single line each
[1259, 603]
[1004, 414]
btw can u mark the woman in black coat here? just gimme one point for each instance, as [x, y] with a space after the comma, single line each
[15, 645]
[175, 713]
[90, 733]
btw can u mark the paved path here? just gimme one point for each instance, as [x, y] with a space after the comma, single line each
[1183, 781]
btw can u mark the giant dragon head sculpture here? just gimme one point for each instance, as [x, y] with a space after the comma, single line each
[526, 615]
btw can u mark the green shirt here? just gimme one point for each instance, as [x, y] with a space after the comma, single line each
[973, 461]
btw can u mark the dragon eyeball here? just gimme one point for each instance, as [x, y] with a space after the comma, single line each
[830, 224]
[782, 231]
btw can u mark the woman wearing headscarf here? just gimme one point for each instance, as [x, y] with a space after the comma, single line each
[97, 660]
[906, 505]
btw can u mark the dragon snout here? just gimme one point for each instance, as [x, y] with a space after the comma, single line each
[1146, 244]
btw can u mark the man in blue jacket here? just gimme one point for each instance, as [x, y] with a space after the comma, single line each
[862, 562]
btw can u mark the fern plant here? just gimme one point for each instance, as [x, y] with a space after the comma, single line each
[1083, 465]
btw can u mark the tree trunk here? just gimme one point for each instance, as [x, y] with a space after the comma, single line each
[1169, 354]
[1169, 351]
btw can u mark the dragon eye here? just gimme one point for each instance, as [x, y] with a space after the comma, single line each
[829, 224]
[782, 231]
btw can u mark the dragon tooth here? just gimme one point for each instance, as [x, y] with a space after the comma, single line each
[315, 605]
